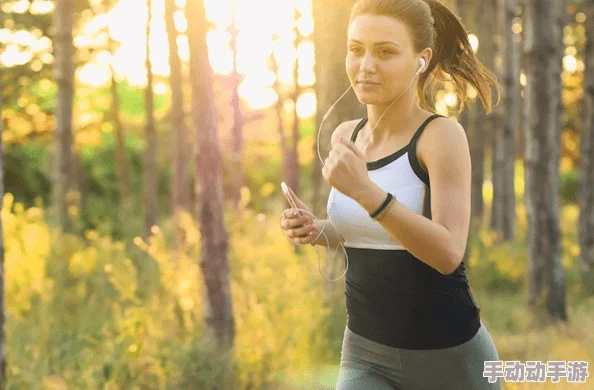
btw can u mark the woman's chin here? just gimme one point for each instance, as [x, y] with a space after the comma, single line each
[365, 98]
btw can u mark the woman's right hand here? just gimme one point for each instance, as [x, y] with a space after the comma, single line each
[300, 229]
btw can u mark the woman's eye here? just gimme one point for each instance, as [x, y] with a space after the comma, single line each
[386, 52]
[354, 49]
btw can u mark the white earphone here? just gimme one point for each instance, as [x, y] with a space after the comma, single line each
[422, 61]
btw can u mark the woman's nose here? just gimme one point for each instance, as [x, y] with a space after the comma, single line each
[367, 63]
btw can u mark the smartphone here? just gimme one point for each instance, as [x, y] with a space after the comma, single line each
[287, 195]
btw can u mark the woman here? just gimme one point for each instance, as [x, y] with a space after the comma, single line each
[400, 203]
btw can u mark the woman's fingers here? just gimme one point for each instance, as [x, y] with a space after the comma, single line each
[300, 229]
[300, 232]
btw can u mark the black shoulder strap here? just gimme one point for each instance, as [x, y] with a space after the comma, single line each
[359, 126]
[419, 131]
[412, 150]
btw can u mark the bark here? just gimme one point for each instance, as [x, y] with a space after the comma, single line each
[64, 73]
[150, 167]
[180, 153]
[238, 123]
[209, 187]
[498, 141]
[542, 143]
[586, 193]
[2, 317]
[483, 122]
[121, 161]
[293, 152]
[511, 122]
[467, 11]
[281, 128]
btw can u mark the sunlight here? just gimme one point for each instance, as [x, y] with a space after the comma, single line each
[221, 60]
[93, 74]
[474, 42]
[451, 99]
[20, 6]
[219, 12]
[570, 63]
[306, 105]
[5, 35]
[257, 41]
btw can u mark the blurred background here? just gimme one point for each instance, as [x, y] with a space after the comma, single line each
[143, 146]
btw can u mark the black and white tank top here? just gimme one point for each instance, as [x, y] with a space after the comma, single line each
[392, 297]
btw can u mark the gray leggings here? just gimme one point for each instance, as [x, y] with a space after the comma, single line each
[366, 364]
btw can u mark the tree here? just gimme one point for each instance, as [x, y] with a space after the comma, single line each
[511, 120]
[278, 107]
[541, 155]
[293, 152]
[179, 131]
[64, 74]
[331, 18]
[586, 193]
[238, 119]
[121, 161]
[150, 163]
[2, 318]
[467, 11]
[483, 123]
[497, 151]
[209, 187]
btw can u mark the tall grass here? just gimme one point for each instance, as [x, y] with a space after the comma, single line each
[91, 312]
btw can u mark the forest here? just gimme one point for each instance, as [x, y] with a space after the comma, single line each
[143, 146]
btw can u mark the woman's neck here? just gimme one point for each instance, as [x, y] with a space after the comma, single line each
[396, 120]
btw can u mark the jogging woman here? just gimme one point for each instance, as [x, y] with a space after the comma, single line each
[400, 204]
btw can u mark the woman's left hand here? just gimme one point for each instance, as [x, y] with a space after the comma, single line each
[345, 169]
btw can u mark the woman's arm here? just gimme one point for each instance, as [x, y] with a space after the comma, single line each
[440, 241]
[334, 239]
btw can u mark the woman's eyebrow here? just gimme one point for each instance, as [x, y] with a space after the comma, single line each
[377, 43]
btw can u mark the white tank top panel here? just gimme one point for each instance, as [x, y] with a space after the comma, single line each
[400, 174]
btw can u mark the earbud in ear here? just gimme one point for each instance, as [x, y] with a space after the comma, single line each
[422, 61]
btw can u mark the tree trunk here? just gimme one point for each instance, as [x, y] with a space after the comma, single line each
[209, 186]
[331, 19]
[586, 193]
[281, 128]
[238, 121]
[121, 161]
[2, 311]
[293, 157]
[511, 121]
[179, 131]
[466, 10]
[542, 157]
[498, 141]
[483, 122]
[64, 73]
[122, 165]
[150, 168]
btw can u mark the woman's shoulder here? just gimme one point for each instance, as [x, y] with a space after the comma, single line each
[345, 129]
[440, 134]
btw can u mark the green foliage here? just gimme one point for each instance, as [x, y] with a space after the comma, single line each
[569, 185]
[26, 173]
[95, 312]
[133, 101]
[201, 368]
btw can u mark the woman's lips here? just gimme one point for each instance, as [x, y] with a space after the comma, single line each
[367, 84]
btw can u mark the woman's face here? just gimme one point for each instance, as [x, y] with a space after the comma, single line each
[380, 59]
